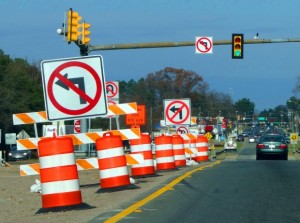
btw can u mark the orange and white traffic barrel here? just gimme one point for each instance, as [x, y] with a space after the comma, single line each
[142, 146]
[58, 172]
[164, 153]
[179, 151]
[202, 148]
[112, 161]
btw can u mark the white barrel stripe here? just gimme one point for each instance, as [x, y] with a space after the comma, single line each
[202, 153]
[140, 148]
[180, 157]
[177, 146]
[113, 172]
[110, 153]
[168, 159]
[57, 160]
[146, 163]
[164, 147]
[201, 144]
[60, 186]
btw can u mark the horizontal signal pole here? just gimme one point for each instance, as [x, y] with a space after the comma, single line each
[178, 44]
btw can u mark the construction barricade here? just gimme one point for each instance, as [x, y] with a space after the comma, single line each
[202, 148]
[142, 146]
[179, 151]
[58, 172]
[164, 153]
[112, 161]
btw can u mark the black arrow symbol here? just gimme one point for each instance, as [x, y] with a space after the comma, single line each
[110, 88]
[76, 81]
[174, 109]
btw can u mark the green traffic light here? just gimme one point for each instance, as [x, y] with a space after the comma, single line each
[237, 53]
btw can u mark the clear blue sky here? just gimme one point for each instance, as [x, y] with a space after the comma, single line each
[266, 75]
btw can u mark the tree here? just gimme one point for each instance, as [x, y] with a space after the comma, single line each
[245, 107]
[21, 91]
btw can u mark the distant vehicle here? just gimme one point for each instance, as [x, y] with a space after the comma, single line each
[288, 139]
[240, 138]
[272, 145]
[251, 139]
[15, 154]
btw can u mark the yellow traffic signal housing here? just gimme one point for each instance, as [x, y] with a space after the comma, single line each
[237, 46]
[73, 26]
[85, 33]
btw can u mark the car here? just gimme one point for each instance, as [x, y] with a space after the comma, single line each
[288, 139]
[251, 139]
[240, 138]
[15, 154]
[272, 145]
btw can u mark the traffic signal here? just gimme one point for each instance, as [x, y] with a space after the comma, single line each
[73, 26]
[237, 46]
[85, 33]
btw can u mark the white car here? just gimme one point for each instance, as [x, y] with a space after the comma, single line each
[251, 139]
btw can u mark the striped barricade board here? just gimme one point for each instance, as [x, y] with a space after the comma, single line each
[82, 138]
[41, 116]
[82, 164]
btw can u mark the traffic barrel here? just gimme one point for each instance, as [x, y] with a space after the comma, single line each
[142, 146]
[202, 148]
[179, 151]
[112, 161]
[164, 153]
[58, 172]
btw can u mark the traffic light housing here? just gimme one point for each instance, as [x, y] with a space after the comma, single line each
[73, 26]
[237, 46]
[85, 33]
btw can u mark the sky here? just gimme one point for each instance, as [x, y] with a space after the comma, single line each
[267, 75]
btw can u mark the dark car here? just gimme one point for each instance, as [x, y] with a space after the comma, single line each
[272, 145]
[240, 138]
[14, 154]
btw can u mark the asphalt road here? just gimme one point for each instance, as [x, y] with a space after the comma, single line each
[236, 189]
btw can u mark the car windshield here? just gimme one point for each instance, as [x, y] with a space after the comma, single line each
[273, 138]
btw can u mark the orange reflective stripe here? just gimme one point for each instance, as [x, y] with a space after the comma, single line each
[130, 160]
[84, 164]
[25, 118]
[93, 136]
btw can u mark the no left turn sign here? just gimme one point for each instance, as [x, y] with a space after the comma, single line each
[203, 45]
[74, 87]
[177, 111]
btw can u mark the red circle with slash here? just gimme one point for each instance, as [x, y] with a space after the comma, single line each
[180, 109]
[91, 102]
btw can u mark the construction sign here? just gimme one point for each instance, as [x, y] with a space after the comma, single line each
[138, 118]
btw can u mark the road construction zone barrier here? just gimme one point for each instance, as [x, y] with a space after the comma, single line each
[41, 116]
[122, 109]
[164, 153]
[202, 148]
[82, 138]
[189, 144]
[142, 146]
[179, 151]
[112, 162]
[58, 173]
[82, 164]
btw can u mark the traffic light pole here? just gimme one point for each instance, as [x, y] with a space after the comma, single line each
[180, 44]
